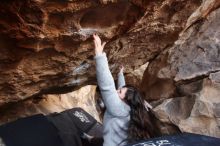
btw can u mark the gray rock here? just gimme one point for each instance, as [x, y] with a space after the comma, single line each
[197, 114]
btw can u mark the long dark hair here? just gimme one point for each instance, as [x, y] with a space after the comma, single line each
[140, 125]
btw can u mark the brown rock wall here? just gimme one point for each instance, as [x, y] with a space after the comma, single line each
[46, 45]
[195, 113]
[84, 97]
[194, 56]
[185, 77]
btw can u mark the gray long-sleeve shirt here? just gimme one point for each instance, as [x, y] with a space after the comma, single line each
[117, 115]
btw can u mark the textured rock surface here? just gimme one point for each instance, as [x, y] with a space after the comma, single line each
[84, 98]
[188, 74]
[46, 45]
[196, 113]
[194, 56]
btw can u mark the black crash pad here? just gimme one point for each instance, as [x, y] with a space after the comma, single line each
[31, 131]
[68, 128]
[185, 139]
[73, 124]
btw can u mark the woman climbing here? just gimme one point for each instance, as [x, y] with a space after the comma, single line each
[126, 118]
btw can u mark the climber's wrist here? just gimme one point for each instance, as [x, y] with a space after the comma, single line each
[97, 53]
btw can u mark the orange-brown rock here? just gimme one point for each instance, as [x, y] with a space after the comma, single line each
[46, 46]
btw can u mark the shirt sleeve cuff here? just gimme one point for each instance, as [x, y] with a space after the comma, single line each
[120, 73]
[100, 55]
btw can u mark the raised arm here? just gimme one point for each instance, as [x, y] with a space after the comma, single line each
[121, 78]
[114, 105]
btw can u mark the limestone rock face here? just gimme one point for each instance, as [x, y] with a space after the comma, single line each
[46, 46]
